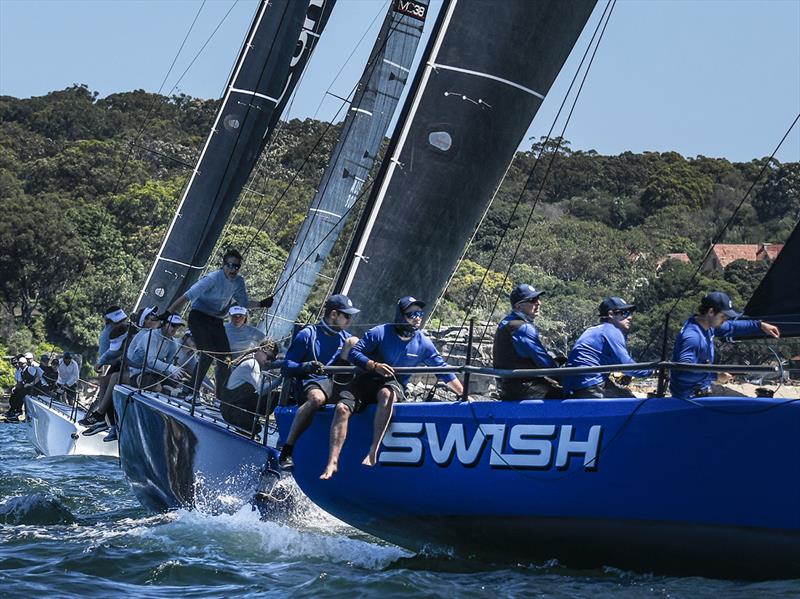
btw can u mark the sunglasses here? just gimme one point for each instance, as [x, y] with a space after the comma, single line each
[233, 265]
[415, 314]
[346, 315]
[623, 313]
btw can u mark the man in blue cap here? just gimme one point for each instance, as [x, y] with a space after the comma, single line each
[314, 347]
[603, 344]
[695, 343]
[517, 345]
[397, 344]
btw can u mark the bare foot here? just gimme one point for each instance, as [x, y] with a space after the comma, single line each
[330, 470]
[370, 460]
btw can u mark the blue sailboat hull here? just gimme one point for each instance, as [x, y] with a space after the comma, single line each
[173, 459]
[707, 487]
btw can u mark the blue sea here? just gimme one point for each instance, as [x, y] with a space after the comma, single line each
[71, 527]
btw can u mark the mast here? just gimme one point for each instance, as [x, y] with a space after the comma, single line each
[277, 47]
[486, 70]
[371, 110]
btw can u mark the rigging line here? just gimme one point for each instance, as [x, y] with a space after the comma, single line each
[307, 158]
[318, 196]
[520, 197]
[313, 149]
[143, 241]
[720, 234]
[381, 10]
[158, 102]
[142, 127]
[216, 201]
[553, 157]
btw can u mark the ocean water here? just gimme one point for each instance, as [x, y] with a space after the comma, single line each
[70, 527]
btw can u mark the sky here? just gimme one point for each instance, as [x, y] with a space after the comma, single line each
[718, 78]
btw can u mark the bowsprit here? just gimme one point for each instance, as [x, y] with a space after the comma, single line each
[529, 446]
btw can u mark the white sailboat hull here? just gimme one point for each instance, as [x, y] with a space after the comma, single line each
[53, 433]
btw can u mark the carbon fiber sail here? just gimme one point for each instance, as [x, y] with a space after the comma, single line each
[275, 52]
[373, 104]
[486, 70]
[777, 297]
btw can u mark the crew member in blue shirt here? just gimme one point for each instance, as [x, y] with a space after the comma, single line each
[517, 346]
[400, 344]
[695, 343]
[603, 344]
[314, 347]
[211, 297]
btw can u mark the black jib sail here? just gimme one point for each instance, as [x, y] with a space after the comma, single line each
[272, 58]
[777, 298]
[370, 112]
[486, 71]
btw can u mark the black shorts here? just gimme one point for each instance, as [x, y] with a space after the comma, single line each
[323, 384]
[363, 390]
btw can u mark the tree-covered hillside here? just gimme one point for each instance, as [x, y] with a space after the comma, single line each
[88, 186]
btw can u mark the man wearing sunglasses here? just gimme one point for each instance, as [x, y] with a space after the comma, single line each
[314, 347]
[211, 297]
[517, 346]
[399, 344]
[603, 344]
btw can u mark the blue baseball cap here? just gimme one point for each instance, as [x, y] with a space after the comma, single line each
[523, 292]
[341, 303]
[404, 303]
[614, 303]
[721, 302]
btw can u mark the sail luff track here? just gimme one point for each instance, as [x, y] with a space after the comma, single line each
[276, 50]
[364, 128]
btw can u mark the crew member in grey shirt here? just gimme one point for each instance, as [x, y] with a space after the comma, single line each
[242, 400]
[211, 297]
[241, 336]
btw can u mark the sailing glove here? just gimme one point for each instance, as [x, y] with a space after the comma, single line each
[314, 368]
[266, 302]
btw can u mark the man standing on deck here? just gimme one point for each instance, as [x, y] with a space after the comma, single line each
[68, 375]
[517, 346]
[399, 344]
[695, 343]
[314, 347]
[211, 297]
[603, 344]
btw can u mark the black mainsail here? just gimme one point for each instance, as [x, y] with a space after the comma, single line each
[486, 70]
[777, 297]
[275, 52]
[370, 112]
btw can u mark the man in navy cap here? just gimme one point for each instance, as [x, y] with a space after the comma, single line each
[517, 346]
[603, 344]
[397, 344]
[314, 347]
[695, 343]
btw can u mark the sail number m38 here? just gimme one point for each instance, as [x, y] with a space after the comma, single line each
[529, 446]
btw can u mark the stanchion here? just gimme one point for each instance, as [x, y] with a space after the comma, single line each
[468, 361]
[661, 389]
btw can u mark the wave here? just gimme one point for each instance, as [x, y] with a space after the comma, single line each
[35, 509]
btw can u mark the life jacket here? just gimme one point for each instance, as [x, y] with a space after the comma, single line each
[505, 357]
